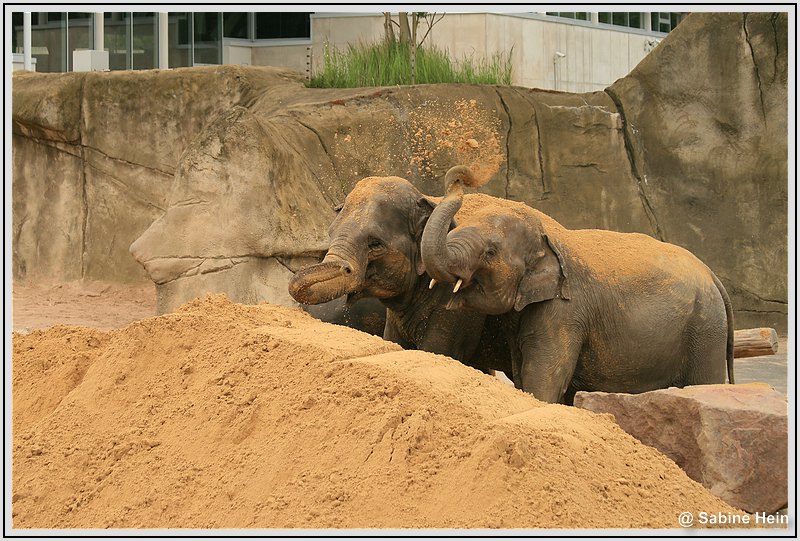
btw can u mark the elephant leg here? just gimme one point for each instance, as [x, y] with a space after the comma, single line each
[391, 331]
[706, 345]
[548, 364]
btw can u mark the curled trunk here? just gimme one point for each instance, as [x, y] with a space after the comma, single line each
[436, 255]
[340, 273]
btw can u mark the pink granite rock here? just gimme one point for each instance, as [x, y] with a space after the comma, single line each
[733, 439]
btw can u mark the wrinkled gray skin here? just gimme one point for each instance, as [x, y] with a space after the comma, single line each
[586, 310]
[374, 252]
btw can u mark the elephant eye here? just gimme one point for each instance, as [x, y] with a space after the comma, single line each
[490, 252]
[374, 243]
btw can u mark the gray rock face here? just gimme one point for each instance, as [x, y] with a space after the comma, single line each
[732, 439]
[225, 179]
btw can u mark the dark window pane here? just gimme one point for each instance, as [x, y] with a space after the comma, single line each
[674, 19]
[619, 19]
[604, 17]
[80, 34]
[116, 34]
[583, 16]
[234, 25]
[567, 15]
[283, 25]
[49, 42]
[180, 47]
[16, 34]
[635, 20]
[145, 40]
[207, 41]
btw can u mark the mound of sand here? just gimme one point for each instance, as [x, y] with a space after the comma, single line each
[229, 416]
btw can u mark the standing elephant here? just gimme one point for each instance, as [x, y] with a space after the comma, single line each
[374, 252]
[586, 310]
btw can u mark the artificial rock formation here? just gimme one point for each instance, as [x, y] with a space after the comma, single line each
[224, 179]
[733, 439]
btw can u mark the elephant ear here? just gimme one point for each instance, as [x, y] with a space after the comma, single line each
[544, 278]
[425, 206]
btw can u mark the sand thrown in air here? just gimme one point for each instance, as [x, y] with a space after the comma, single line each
[228, 416]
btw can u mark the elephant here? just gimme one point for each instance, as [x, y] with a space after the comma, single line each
[584, 309]
[374, 252]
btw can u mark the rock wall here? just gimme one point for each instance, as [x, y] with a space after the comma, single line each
[224, 179]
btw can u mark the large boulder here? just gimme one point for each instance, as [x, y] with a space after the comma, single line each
[706, 124]
[224, 179]
[732, 439]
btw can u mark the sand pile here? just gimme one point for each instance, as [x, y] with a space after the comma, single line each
[231, 416]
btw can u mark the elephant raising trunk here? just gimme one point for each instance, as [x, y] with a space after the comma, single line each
[441, 257]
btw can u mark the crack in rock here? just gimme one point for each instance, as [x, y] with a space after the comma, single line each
[640, 182]
[508, 141]
[755, 65]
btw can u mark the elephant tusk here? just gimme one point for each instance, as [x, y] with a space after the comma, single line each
[458, 284]
[433, 283]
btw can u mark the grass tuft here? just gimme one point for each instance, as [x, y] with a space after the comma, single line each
[388, 64]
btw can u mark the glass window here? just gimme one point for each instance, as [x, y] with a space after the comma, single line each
[207, 39]
[116, 34]
[49, 41]
[81, 34]
[579, 15]
[283, 25]
[180, 39]
[629, 19]
[235, 25]
[145, 41]
[16, 33]
[664, 21]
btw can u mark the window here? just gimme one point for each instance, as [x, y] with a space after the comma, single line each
[80, 34]
[144, 54]
[665, 22]
[235, 25]
[629, 19]
[16, 33]
[579, 15]
[116, 34]
[283, 25]
[207, 38]
[180, 39]
[49, 41]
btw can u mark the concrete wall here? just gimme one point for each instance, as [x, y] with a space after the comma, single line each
[595, 56]
[293, 57]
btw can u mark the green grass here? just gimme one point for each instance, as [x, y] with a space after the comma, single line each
[388, 64]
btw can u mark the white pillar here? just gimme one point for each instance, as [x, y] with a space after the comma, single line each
[26, 40]
[99, 33]
[647, 21]
[163, 41]
[594, 17]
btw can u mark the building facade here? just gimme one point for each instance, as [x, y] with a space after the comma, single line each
[570, 51]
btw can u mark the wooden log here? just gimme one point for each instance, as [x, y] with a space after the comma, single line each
[755, 342]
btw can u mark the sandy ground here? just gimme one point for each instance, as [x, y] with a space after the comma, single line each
[99, 305]
[230, 416]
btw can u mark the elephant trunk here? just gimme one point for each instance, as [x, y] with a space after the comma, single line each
[436, 255]
[341, 272]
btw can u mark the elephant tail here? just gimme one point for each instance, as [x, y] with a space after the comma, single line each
[729, 317]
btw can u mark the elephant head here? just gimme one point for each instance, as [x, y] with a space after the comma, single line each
[500, 257]
[374, 245]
